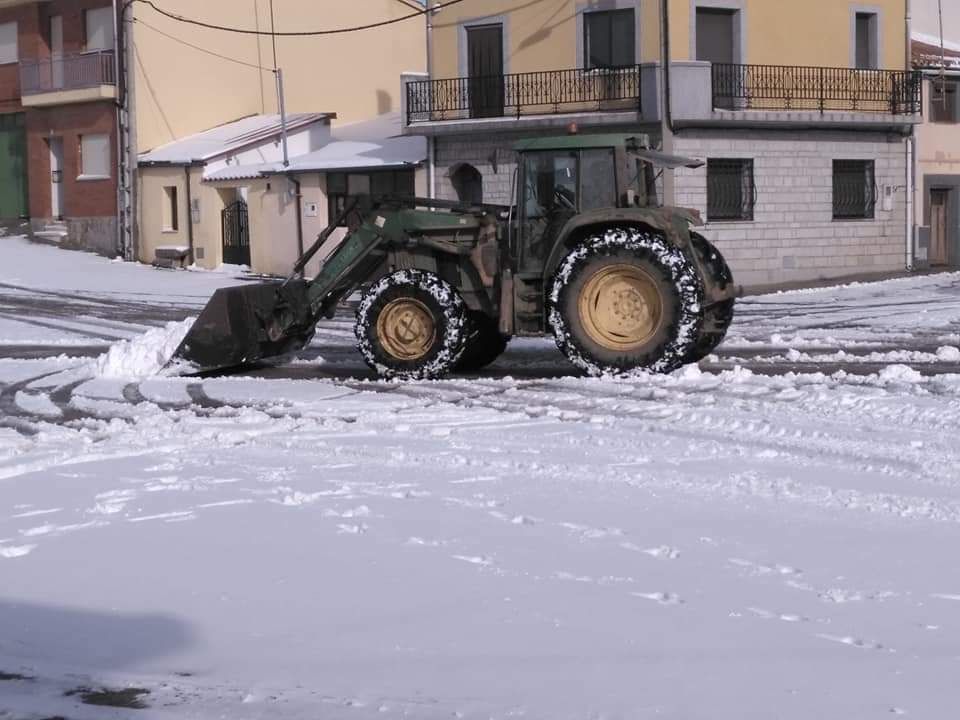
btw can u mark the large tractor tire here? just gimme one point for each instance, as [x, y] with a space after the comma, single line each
[484, 343]
[626, 299]
[411, 325]
[717, 317]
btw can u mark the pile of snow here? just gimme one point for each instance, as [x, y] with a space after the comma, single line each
[145, 355]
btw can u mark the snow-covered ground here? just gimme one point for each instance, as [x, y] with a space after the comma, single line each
[737, 541]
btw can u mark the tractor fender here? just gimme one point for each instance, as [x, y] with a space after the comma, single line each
[673, 223]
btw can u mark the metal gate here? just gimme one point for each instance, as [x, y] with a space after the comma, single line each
[236, 234]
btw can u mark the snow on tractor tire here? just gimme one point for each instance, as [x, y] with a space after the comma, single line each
[411, 325]
[626, 300]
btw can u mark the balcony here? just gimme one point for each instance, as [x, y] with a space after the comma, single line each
[815, 89]
[74, 78]
[481, 101]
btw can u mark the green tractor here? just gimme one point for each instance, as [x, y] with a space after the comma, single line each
[584, 254]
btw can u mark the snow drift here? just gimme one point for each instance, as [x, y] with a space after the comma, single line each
[145, 355]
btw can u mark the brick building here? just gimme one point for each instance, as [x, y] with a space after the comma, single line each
[58, 120]
[801, 110]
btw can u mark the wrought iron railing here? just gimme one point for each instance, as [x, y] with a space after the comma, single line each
[782, 87]
[533, 93]
[67, 72]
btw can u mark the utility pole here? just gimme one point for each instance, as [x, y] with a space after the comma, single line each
[281, 101]
[126, 132]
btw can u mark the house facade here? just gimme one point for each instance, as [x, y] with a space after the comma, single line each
[58, 120]
[801, 111]
[226, 195]
[937, 167]
[86, 86]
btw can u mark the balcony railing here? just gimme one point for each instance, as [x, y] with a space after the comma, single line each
[67, 72]
[533, 93]
[781, 87]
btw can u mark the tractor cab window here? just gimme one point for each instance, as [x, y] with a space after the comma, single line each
[551, 184]
[557, 185]
[598, 179]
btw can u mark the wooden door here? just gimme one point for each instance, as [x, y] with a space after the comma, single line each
[485, 70]
[13, 167]
[938, 227]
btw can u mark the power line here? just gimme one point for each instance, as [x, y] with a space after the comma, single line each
[302, 33]
[201, 49]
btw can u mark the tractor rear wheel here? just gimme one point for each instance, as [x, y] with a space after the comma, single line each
[717, 317]
[411, 325]
[484, 343]
[626, 299]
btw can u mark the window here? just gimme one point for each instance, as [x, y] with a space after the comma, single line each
[854, 190]
[943, 101]
[609, 39]
[95, 156]
[342, 188]
[598, 187]
[99, 27]
[731, 191]
[170, 209]
[9, 49]
[866, 56]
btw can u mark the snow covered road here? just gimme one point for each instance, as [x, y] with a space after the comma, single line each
[720, 543]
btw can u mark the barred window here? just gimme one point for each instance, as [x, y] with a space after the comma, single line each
[854, 189]
[731, 192]
[943, 101]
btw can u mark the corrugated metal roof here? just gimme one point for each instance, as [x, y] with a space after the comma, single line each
[226, 138]
[370, 144]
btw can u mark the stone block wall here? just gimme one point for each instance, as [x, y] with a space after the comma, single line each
[793, 236]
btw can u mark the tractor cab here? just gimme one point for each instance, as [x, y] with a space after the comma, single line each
[564, 176]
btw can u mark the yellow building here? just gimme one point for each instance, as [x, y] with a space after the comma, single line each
[800, 107]
[190, 82]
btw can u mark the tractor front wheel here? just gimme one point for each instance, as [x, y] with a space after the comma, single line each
[411, 325]
[626, 299]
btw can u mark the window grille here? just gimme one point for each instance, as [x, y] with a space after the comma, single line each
[731, 191]
[854, 189]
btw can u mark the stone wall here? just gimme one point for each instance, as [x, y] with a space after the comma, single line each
[793, 236]
[492, 155]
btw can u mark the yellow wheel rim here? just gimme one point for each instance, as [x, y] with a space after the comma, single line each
[406, 329]
[620, 307]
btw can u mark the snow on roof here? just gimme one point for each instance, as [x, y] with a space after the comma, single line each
[226, 138]
[927, 52]
[375, 143]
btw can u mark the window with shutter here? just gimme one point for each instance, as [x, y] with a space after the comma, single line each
[9, 47]
[95, 156]
[99, 27]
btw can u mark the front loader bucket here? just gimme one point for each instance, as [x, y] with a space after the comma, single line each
[245, 324]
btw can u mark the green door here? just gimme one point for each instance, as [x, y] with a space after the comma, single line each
[13, 167]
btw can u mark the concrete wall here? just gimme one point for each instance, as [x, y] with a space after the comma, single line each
[547, 34]
[207, 232]
[182, 90]
[273, 221]
[793, 236]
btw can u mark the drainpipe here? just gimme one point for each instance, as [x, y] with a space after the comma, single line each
[296, 184]
[186, 173]
[666, 116]
[431, 141]
[911, 149]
